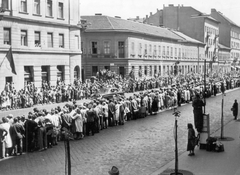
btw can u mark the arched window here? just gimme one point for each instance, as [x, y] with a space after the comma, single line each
[76, 72]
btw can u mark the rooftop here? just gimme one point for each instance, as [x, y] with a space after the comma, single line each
[106, 23]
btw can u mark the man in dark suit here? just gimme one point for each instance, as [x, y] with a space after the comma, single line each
[30, 128]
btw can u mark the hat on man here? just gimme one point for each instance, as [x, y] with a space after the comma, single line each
[114, 171]
[10, 116]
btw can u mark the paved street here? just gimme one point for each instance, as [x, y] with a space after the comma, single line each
[138, 148]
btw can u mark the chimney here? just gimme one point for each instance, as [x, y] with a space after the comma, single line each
[98, 14]
[118, 17]
[213, 10]
[170, 5]
[150, 13]
[146, 16]
[137, 17]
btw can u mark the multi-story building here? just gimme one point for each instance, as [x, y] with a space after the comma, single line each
[224, 58]
[45, 41]
[193, 23]
[229, 36]
[123, 45]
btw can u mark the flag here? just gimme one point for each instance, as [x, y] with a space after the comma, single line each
[9, 56]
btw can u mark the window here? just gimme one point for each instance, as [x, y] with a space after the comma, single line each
[150, 70]
[94, 70]
[171, 51]
[150, 49]
[5, 4]
[140, 49]
[94, 47]
[23, 5]
[49, 8]
[145, 70]
[50, 39]
[60, 73]
[106, 47]
[163, 50]
[23, 38]
[154, 50]
[145, 49]
[159, 51]
[77, 42]
[132, 48]
[179, 52]
[61, 40]
[37, 39]
[167, 50]
[155, 70]
[7, 36]
[82, 46]
[175, 54]
[121, 52]
[37, 7]
[60, 10]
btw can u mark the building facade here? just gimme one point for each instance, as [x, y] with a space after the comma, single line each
[124, 46]
[229, 36]
[193, 23]
[45, 40]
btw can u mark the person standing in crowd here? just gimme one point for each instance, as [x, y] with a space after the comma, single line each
[235, 109]
[191, 140]
[30, 127]
[111, 113]
[18, 138]
[90, 120]
[3, 134]
[41, 132]
[105, 114]
[8, 139]
[78, 118]
[197, 105]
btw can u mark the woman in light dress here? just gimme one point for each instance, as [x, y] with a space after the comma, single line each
[8, 139]
[78, 123]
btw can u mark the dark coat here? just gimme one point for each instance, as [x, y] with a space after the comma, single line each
[191, 139]
[198, 113]
[235, 108]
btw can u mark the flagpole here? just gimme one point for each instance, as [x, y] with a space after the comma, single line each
[2, 61]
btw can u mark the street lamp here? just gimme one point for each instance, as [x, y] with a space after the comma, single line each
[176, 114]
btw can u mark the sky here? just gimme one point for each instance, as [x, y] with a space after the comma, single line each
[132, 8]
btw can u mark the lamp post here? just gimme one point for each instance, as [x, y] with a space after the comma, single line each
[204, 95]
[176, 114]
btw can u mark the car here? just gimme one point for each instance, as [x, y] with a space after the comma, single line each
[108, 93]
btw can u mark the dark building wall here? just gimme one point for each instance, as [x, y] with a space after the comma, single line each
[224, 28]
[179, 18]
[155, 19]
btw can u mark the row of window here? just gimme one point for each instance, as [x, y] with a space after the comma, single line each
[235, 45]
[235, 55]
[211, 30]
[211, 42]
[24, 4]
[149, 51]
[37, 38]
[235, 35]
[151, 70]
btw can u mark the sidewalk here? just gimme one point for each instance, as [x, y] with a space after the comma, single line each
[212, 163]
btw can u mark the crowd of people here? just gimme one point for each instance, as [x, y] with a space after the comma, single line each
[42, 129]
